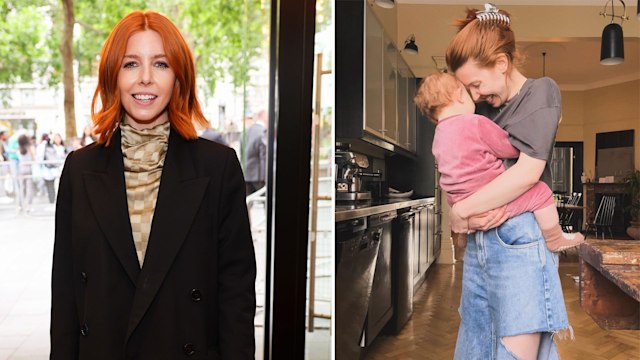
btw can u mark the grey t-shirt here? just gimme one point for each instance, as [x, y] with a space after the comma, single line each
[531, 119]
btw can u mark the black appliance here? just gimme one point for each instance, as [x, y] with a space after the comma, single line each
[381, 302]
[356, 252]
[401, 269]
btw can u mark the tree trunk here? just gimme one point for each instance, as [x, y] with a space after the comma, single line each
[66, 48]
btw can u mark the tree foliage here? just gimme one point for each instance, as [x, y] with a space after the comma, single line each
[23, 51]
[225, 36]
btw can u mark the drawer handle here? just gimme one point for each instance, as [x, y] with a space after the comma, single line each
[389, 217]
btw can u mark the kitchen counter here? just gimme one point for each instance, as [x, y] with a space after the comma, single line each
[352, 211]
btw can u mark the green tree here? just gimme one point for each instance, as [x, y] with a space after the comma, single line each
[23, 54]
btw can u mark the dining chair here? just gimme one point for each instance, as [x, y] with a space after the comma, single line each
[604, 216]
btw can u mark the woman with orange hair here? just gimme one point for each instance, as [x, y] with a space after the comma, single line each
[153, 256]
[512, 306]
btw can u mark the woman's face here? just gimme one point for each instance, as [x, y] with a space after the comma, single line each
[145, 81]
[484, 84]
[57, 139]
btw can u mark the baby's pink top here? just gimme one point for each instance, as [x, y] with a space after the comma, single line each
[468, 149]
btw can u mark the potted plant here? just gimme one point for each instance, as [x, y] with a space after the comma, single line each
[633, 181]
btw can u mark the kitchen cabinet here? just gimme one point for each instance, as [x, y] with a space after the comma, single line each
[373, 81]
[406, 119]
[424, 252]
[374, 85]
[381, 67]
[412, 115]
[403, 104]
[401, 269]
[389, 77]
[415, 253]
[437, 213]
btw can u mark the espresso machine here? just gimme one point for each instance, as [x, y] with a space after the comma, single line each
[351, 168]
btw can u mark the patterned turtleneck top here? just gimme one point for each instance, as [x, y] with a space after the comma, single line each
[144, 152]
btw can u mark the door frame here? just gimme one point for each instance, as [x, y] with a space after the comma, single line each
[290, 118]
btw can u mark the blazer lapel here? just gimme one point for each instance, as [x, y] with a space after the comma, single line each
[179, 198]
[108, 197]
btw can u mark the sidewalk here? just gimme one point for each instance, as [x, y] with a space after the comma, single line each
[26, 247]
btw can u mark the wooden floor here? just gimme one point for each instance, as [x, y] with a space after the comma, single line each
[431, 332]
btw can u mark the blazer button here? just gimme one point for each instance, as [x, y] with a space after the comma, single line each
[196, 295]
[83, 275]
[189, 349]
[84, 330]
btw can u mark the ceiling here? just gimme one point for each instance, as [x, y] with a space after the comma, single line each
[568, 31]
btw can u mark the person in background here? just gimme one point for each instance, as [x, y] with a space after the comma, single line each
[153, 255]
[213, 135]
[88, 137]
[256, 153]
[26, 156]
[59, 146]
[512, 304]
[76, 143]
[47, 157]
[4, 135]
[12, 149]
[5, 179]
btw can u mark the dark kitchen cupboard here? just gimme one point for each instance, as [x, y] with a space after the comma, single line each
[373, 81]
[424, 253]
[389, 77]
[374, 85]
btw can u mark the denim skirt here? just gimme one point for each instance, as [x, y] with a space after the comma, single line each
[510, 287]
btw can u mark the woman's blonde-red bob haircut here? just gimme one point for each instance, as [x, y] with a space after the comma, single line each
[183, 108]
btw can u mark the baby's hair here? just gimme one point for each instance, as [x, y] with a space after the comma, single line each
[435, 92]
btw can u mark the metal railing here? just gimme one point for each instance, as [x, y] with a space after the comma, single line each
[29, 186]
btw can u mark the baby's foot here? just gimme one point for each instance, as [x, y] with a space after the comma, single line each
[569, 240]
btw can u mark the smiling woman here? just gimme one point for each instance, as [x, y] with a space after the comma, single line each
[145, 81]
[153, 255]
[142, 50]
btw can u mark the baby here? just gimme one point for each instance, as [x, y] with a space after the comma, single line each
[469, 149]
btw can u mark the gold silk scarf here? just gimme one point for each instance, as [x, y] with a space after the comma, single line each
[144, 152]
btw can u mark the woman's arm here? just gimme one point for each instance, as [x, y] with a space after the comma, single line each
[236, 269]
[64, 316]
[502, 190]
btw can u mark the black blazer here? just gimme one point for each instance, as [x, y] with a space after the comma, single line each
[195, 295]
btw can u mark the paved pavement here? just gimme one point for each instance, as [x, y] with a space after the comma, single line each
[26, 247]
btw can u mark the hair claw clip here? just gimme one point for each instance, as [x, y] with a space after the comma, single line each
[491, 13]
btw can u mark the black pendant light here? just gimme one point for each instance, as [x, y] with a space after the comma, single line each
[612, 47]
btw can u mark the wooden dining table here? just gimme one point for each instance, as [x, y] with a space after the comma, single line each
[610, 283]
